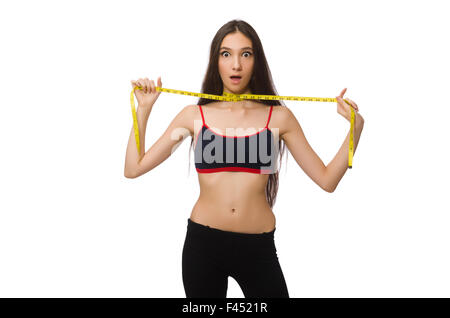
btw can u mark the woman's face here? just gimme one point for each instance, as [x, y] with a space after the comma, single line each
[236, 58]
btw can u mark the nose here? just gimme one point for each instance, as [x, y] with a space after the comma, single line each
[236, 63]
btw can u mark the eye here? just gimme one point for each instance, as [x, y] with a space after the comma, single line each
[223, 52]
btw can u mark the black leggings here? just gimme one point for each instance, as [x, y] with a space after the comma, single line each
[211, 255]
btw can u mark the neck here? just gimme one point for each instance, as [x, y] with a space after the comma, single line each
[237, 92]
[236, 105]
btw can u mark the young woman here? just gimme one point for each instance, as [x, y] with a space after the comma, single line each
[231, 228]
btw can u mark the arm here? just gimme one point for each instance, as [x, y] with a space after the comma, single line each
[137, 165]
[301, 150]
[339, 165]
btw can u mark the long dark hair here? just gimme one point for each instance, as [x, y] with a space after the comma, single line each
[260, 83]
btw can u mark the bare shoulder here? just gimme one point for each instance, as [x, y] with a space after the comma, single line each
[282, 118]
[190, 110]
[189, 114]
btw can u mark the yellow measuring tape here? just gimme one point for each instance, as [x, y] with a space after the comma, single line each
[233, 97]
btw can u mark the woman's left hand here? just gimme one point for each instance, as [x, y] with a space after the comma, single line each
[343, 108]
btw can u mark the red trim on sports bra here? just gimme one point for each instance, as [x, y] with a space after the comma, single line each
[237, 136]
[204, 124]
[252, 170]
[270, 114]
[201, 112]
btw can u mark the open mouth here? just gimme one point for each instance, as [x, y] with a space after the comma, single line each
[235, 79]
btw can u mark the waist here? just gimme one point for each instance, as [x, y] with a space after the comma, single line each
[251, 219]
[201, 228]
[227, 246]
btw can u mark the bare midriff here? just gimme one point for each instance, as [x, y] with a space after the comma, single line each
[234, 201]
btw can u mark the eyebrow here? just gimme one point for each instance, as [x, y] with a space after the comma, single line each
[244, 48]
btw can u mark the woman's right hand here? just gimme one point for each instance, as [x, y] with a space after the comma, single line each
[148, 95]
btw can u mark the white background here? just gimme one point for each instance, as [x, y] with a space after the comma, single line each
[71, 224]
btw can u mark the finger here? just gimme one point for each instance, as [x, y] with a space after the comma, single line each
[141, 84]
[148, 85]
[136, 85]
[346, 101]
[343, 92]
[152, 85]
[159, 82]
[353, 103]
[144, 87]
